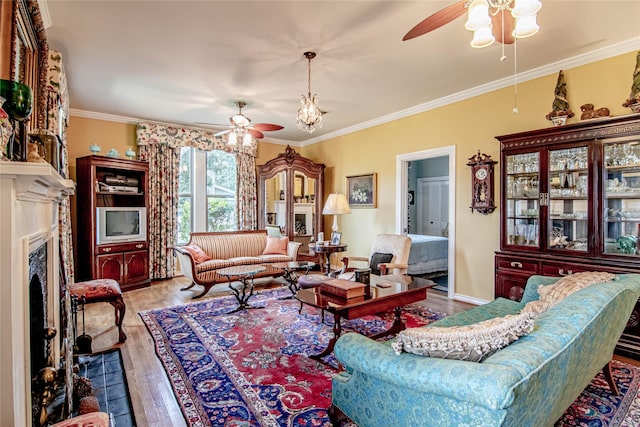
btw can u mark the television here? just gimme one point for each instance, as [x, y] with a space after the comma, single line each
[120, 224]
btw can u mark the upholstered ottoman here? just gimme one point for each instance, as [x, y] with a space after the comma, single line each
[103, 290]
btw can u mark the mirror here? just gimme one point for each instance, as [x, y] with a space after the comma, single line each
[290, 193]
[275, 205]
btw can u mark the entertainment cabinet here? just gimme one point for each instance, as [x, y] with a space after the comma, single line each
[570, 202]
[110, 182]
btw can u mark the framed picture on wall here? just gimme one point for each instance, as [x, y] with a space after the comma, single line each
[361, 191]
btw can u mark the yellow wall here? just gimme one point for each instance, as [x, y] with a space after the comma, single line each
[469, 125]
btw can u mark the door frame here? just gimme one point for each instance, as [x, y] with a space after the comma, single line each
[402, 194]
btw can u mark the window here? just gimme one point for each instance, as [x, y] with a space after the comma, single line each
[206, 192]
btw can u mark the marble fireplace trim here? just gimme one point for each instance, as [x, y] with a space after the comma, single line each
[29, 199]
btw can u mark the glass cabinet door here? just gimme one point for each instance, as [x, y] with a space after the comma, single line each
[568, 212]
[523, 190]
[621, 213]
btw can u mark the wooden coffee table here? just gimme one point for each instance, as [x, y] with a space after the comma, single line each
[401, 290]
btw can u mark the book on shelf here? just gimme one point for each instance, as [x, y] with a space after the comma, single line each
[343, 288]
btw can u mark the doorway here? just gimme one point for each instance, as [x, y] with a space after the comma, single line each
[414, 214]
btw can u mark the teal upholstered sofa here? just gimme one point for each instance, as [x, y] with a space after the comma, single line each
[528, 383]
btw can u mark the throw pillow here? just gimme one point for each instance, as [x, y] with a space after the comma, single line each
[198, 254]
[552, 294]
[276, 246]
[378, 258]
[473, 342]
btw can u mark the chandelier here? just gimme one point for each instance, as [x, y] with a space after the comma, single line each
[309, 114]
[479, 19]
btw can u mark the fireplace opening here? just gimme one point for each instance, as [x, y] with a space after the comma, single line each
[38, 290]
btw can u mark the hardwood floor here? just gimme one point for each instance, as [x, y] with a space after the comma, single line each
[154, 403]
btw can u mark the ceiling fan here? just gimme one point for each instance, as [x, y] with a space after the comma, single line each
[241, 125]
[502, 23]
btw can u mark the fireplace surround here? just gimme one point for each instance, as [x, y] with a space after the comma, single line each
[30, 195]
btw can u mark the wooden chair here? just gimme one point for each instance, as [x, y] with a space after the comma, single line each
[103, 290]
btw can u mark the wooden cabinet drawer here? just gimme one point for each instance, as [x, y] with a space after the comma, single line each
[121, 247]
[563, 269]
[516, 264]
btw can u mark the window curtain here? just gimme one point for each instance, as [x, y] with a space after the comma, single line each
[56, 123]
[160, 146]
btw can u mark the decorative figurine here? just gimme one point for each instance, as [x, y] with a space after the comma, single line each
[130, 154]
[633, 101]
[95, 149]
[588, 112]
[560, 108]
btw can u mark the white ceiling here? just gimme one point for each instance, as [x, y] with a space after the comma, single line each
[185, 62]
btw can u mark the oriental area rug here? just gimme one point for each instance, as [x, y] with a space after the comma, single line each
[251, 368]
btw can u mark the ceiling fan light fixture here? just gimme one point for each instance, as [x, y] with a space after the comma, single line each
[232, 140]
[482, 37]
[309, 115]
[478, 16]
[526, 8]
[526, 26]
[247, 140]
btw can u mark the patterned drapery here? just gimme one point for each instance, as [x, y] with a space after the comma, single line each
[160, 146]
[57, 102]
[163, 207]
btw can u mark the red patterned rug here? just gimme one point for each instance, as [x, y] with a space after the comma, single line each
[252, 368]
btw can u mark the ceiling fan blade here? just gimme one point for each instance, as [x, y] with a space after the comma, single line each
[256, 133]
[222, 132]
[266, 127]
[212, 124]
[496, 20]
[437, 20]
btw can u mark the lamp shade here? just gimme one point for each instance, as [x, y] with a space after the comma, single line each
[336, 204]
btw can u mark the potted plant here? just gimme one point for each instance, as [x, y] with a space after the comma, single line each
[633, 101]
[560, 108]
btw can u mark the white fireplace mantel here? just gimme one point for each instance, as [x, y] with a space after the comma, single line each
[29, 197]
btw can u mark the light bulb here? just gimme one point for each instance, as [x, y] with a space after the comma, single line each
[246, 139]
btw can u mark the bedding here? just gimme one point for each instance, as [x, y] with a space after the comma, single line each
[428, 254]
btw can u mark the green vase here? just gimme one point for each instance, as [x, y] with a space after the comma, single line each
[19, 99]
[18, 104]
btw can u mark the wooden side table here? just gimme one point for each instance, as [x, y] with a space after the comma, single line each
[326, 251]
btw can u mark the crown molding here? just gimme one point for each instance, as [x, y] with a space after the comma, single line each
[573, 62]
[44, 13]
[565, 64]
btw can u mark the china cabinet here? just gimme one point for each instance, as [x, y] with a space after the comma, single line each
[570, 202]
[290, 195]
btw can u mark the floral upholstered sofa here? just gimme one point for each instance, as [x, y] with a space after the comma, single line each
[208, 252]
[530, 382]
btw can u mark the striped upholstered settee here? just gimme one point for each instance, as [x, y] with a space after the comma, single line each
[207, 252]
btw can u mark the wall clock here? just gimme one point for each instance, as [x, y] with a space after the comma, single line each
[482, 190]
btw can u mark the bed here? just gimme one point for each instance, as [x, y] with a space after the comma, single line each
[429, 254]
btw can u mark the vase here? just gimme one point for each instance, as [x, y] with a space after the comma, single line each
[559, 120]
[18, 103]
[6, 131]
[95, 149]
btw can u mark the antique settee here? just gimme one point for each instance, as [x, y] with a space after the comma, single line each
[210, 251]
[530, 382]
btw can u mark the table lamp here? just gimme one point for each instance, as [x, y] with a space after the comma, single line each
[335, 205]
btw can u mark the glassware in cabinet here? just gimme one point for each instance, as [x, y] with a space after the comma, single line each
[523, 212]
[621, 214]
[568, 210]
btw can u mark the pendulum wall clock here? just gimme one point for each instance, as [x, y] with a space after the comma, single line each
[482, 179]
